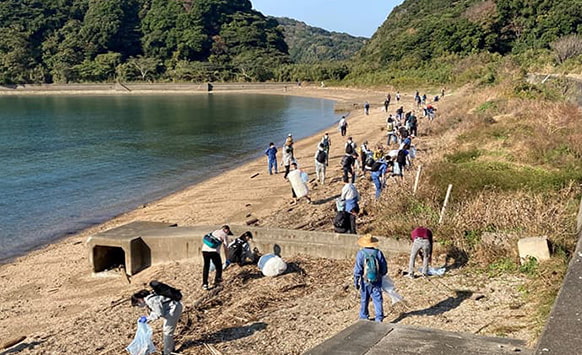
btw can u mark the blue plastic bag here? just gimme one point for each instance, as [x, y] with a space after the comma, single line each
[142, 344]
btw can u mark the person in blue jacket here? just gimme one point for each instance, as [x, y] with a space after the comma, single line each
[271, 154]
[378, 173]
[368, 280]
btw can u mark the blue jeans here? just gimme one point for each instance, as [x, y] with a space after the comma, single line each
[368, 291]
[272, 164]
[377, 183]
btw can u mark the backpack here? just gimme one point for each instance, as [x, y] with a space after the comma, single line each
[376, 166]
[325, 142]
[390, 126]
[371, 269]
[347, 161]
[321, 156]
[211, 241]
[235, 250]
[162, 289]
[349, 148]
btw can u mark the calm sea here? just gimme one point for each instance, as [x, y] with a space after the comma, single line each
[67, 163]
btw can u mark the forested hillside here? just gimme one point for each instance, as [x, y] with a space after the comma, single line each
[98, 40]
[420, 30]
[309, 44]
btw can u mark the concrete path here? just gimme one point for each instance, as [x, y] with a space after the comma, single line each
[371, 338]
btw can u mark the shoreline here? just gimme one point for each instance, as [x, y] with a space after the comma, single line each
[49, 279]
[74, 228]
[309, 92]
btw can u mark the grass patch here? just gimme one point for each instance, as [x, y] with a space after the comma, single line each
[473, 176]
[486, 106]
[463, 156]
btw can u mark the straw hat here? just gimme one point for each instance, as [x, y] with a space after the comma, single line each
[367, 241]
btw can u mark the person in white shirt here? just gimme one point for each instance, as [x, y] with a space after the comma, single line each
[210, 253]
[350, 195]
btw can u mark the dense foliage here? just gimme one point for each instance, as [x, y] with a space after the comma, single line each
[420, 30]
[421, 42]
[311, 45]
[98, 40]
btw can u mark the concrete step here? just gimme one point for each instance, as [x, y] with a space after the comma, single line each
[371, 338]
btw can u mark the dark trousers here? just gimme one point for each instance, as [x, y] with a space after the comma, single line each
[350, 172]
[286, 171]
[217, 261]
[343, 131]
[413, 131]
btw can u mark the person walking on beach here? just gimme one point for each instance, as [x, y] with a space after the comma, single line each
[271, 154]
[366, 108]
[343, 126]
[298, 180]
[349, 165]
[288, 157]
[160, 307]
[397, 96]
[369, 269]
[421, 243]
[320, 163]
[391, 129]
[326, 141]
[211, 252]
[413, 124]
[387, 102]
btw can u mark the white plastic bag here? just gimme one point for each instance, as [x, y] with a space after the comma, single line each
[434, 271]
[388, 287]
[272, 265]
[142, 344]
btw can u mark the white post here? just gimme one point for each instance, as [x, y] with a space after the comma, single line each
[445, 204]
[416, 180]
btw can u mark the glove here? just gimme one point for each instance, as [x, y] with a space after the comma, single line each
[142, 319]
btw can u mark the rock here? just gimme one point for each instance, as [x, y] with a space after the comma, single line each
[536, 247]
[504, 241]
[477, 296]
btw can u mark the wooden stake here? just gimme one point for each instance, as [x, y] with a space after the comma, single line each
[445, 204]
[417, 179]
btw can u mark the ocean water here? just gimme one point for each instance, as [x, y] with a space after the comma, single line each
[69, 162]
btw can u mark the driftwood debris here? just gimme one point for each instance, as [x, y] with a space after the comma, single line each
[252, 221]
[12, 342]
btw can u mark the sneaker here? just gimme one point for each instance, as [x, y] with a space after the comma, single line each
[410, 276]
[205, 287]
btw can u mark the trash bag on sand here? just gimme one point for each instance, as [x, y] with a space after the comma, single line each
[388, 287]
[435, 271]
[142, 343]
[272, 265]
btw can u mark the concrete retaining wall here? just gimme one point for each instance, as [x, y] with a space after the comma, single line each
[163, 243]
[561, 334]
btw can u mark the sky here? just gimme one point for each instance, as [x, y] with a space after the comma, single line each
[356, 17]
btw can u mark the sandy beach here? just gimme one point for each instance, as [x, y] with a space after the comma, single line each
[50, 297]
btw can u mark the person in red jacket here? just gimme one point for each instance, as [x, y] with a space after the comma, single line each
[421, 242]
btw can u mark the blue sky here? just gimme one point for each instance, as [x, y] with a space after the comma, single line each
[356, 17]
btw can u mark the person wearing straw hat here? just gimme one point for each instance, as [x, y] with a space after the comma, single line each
[369, 269]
